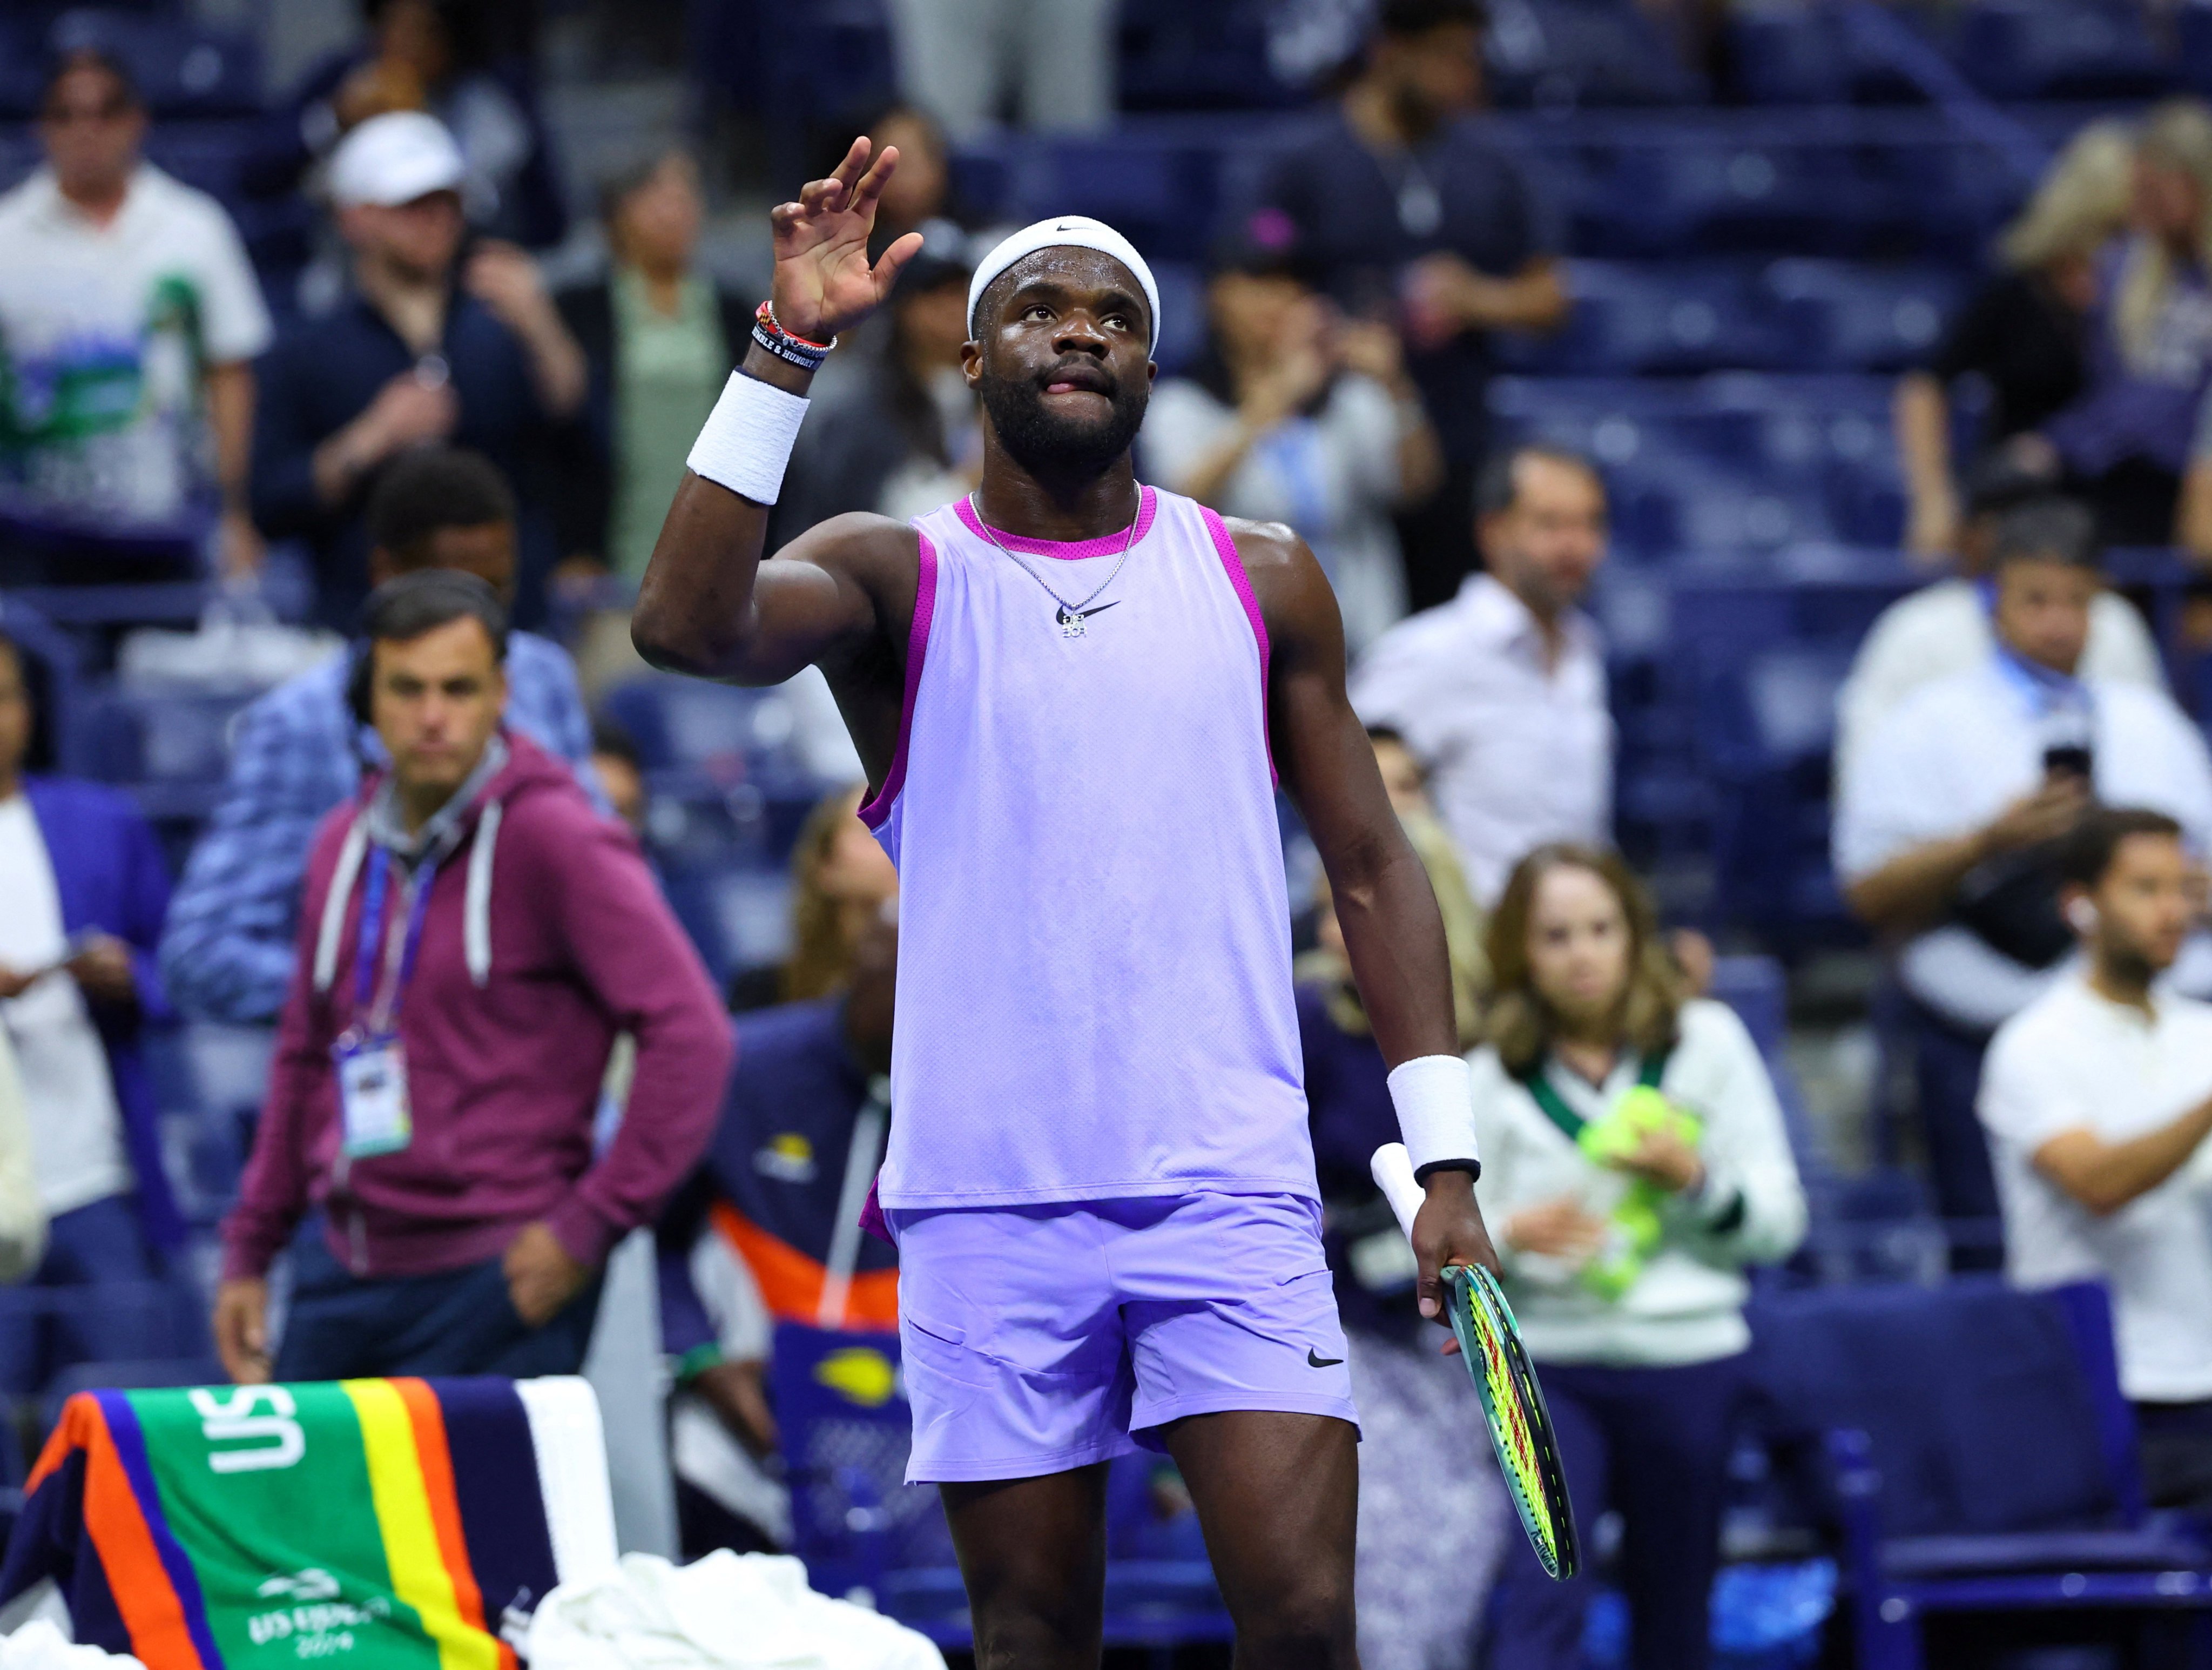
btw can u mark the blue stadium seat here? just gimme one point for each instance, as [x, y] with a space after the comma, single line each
[1559, 54]
[722, 733]
[1979, 1455]
[2193, 30]
[1687, 506]
[212, 155]
[1161, 183]
[1765, 725]
[209, 1081]
[1715, 191]
[1652, 319]
[1791, 52]
[739, 916]
[169, 747]
[1843, 315]
[1948, 195]
[2061, 49]
[1175, 55]
[183, 68]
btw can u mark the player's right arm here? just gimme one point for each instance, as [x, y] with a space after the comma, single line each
[707, 606]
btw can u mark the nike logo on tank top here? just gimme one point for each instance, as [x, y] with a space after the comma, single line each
[1094, 974]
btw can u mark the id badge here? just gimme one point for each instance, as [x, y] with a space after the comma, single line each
[372, 1095]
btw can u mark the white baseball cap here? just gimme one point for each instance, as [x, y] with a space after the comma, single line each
[393, 158]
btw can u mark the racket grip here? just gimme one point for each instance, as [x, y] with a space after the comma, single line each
[1393, 1170]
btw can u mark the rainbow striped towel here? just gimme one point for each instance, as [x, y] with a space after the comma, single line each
[363, 1524]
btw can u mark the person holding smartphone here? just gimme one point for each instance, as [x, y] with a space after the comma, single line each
[1947, 819]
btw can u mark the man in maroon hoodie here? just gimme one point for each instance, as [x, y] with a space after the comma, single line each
[473, 937]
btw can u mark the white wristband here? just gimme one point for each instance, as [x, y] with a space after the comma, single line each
[748, 438]
[1434, 1095]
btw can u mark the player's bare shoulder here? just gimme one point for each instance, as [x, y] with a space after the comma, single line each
[1295, 600]
[880, 554]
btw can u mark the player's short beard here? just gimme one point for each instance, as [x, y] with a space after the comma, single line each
[1050, 447]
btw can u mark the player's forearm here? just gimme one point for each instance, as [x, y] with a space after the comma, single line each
[1394, 936]
[696, 611]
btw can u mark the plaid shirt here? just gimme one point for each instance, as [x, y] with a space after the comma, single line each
[229, 951]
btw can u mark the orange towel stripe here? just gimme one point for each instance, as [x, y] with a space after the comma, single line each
[429, 1422]
[160, 1637]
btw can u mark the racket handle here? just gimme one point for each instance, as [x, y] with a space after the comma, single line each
[1393, 1170]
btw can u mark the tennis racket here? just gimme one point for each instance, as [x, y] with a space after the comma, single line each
[1512, 1401]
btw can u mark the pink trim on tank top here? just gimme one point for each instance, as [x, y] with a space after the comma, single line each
[917, 646]
[1234, 566]
[1065, 550]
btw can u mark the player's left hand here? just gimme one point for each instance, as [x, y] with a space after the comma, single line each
[1449, 1229]
[823, 283]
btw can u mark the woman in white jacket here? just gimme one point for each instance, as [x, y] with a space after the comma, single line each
[1634, 1162]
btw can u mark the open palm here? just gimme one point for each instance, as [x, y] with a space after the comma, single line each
[824, 283]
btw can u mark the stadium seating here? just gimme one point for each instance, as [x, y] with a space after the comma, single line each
[1558, 55]
[209, 1080]
[182, 67]
[2062, 49]
[168, 747]
[1921, 1406]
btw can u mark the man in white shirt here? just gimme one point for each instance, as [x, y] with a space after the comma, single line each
[129, 318]
[2098, 1097]
[1501, 691]
[1946, 820]
[1944, 626]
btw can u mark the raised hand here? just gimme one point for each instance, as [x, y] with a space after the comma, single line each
[823, 283]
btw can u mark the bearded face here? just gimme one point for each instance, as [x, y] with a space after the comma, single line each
[1043, 435]
[1063, 361]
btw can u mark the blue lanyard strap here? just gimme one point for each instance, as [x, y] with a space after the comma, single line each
[380, 1009]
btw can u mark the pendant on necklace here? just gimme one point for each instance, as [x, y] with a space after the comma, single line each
[1070, 622]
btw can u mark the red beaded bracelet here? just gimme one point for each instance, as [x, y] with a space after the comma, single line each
[765, 314]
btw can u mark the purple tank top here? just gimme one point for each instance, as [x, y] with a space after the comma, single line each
[1094, 975]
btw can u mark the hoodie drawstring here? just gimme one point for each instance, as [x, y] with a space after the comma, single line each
[350, 857]
[475, 912]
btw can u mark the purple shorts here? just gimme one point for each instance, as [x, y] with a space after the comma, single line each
[1038, 1339]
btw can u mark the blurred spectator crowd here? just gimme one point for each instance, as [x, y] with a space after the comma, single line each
[1764, 458]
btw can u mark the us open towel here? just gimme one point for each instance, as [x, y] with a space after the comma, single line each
[362, 1524]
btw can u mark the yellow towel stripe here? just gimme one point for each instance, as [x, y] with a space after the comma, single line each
[419, 1577]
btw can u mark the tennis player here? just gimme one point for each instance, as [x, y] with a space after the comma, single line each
[1074, 695]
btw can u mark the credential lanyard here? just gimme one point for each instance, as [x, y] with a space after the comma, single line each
[379, 1014]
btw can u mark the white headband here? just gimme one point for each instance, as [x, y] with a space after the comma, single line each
[1067, 231]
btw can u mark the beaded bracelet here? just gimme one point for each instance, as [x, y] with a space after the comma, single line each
[791, 348]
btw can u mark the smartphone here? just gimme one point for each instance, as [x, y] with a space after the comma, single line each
[2069, 759]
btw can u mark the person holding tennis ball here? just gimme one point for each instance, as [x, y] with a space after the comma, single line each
[1635, 1161]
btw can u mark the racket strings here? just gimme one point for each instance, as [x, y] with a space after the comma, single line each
[1509, 1392]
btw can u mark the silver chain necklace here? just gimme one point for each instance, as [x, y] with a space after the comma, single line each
[1070, 615]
